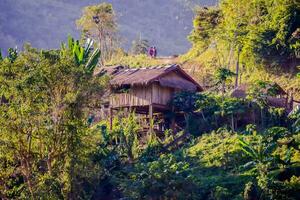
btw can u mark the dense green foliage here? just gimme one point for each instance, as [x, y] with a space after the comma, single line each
[208, 111]
[42, 123]
[258, 40]
[262, 30]
[234, 148]
[48, 150]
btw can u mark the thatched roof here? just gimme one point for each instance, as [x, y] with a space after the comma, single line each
[109, 70]
[241, 91]
[158, 74]
[279, 102]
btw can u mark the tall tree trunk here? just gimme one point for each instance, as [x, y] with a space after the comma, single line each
[253, 116]
[49, 163]
[187, 125]
[130, 155]
[241, 71]
[100, 38]
[26, 171]
[204, 118]
[30, 187]
[232, 121]
[262, 117]
[232, 46]
[223, 89]
[237, 70]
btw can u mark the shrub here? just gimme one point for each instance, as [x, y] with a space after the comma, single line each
[218, 149]
[166, 177]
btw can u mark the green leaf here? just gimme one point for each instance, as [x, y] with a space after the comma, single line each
[70, 43]
[93, 61]
[81, 54]
[12, 55]
[247, 149]
[62, 49]
[88, 46]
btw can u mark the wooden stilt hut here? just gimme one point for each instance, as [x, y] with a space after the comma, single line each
[147, 91]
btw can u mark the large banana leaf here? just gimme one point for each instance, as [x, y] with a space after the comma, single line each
[63, 49]
[82, 54]
[247, 148]
[79, 53]
[88, 47]
[93, 61]
[70, 43]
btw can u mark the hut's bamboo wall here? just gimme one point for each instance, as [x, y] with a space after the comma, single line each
[155, 93]
[161, 95]
[137, 96]
[142, 96]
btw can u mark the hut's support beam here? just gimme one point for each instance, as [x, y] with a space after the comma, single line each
[151, 117]
[173, 121]
[110, 118]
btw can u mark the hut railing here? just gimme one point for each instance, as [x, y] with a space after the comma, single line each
[128, 99]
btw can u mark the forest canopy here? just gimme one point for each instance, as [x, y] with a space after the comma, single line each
[265, 31]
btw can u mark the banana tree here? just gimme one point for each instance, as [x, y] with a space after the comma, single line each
[267, 160]
[261, 162]
[260, 148]
[258, 151]
[83, 55]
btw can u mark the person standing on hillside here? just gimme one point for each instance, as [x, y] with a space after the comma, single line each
[154, 52]
[151, 52]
